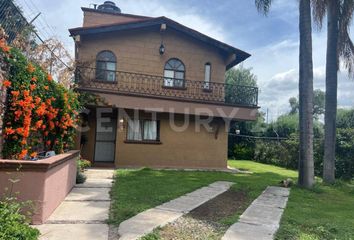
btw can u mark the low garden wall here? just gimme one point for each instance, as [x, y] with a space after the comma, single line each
[45, 182]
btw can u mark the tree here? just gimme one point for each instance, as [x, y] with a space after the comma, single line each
[241, 76]
[318, 104]
[339, 45]
[239, 83]
[306, 164]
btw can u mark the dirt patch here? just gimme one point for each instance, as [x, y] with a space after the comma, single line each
[204, 222]
[223, 206]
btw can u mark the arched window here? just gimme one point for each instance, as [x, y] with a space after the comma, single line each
[174, 72]
[207, 75]
[106, 66]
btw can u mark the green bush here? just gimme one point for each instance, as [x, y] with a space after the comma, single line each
[243, 151]
[81, 164]
[285, 153]
[13, 224]
[80, 177]
[345, 153]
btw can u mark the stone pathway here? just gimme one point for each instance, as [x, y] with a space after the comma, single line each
[145, 222]
[84, 211]
[261, 219]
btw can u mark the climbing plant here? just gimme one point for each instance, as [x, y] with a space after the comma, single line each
[41, 114]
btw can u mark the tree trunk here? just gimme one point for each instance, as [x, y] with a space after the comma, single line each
[331, 91]
[306, 165]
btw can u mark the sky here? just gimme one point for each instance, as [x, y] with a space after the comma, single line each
[272, 40]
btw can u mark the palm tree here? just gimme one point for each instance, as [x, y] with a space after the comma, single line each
[306, 165]
[339, 44]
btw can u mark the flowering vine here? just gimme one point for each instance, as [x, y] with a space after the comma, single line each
[40, 113]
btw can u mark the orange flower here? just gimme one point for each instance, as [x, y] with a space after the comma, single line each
[32, 87]
[18, 114]
[30, 68]
[23, 153]
[19, 131]
[3, 45]
[51, 125]
[34, 79]
[37, 100]
[44, 127]
[39, 123]
[48, 142]
[26, 132]
[46, 133]
[25, 93]
[15, 93]
[50, 78]
[9, 131]
[6, 83]
[34, 154]
[24, 142]
[46, 87]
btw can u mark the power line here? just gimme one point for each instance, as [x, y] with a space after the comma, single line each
[37, 35]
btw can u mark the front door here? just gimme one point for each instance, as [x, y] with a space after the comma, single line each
[106, 128]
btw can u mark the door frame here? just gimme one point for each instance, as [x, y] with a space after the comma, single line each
[114, 113]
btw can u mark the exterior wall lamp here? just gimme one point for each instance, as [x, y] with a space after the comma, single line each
[162, 49]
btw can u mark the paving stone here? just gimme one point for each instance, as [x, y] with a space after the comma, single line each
[279, 191]
[245, 231]
[145, 222]
[81, 211]
[88, 194]
[99, 173]
[221, 184]
[258, 214]
[207, 192]
[183, 204]
[271, 200]
[261, 219]
[73, 231]
[96, 183]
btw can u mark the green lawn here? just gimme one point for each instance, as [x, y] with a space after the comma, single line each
[323, 213]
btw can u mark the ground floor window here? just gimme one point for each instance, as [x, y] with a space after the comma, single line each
[143, 130]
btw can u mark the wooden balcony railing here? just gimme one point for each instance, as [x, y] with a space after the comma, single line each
[149, 85]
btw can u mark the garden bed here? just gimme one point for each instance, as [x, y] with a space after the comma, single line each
[45, 182]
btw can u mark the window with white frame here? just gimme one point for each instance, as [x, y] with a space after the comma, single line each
[207, 75]
[174, 72]
[143, 130]
[106, 66]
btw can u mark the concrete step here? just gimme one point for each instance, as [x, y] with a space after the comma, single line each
[73, 231]
[81, 211]
[88, 194]
[96, 183]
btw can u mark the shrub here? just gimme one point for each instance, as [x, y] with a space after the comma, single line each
[244, 151]
[40, 113]
[345, 153]
[13, 224]
[80, 177]
[81, 164]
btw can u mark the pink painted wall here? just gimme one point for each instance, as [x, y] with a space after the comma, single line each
[45, 182]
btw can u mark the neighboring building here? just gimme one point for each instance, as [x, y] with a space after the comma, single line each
[155, 75]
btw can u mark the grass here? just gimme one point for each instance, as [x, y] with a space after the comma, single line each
[326, 212]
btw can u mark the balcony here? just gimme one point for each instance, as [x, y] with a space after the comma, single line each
[119, 82]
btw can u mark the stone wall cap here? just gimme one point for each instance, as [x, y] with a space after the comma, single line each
[39, 165]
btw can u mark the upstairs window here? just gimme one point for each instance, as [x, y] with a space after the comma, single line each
[106, 66]
[207, 75]
[174, 73]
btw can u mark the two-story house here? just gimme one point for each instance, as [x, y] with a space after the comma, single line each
[164, 89]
